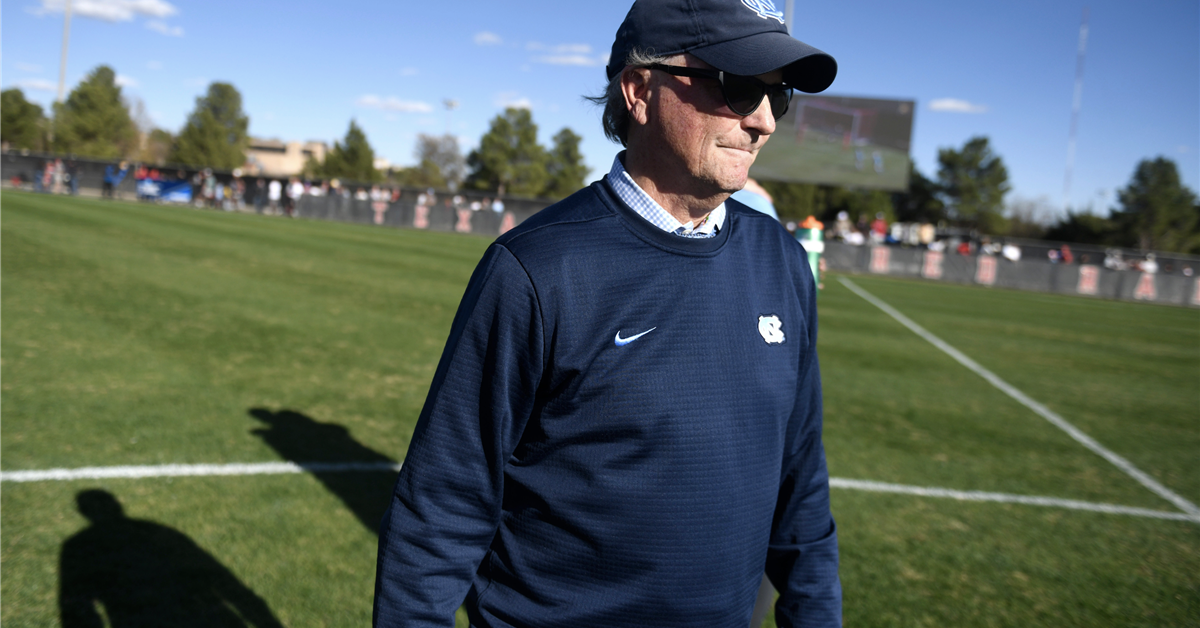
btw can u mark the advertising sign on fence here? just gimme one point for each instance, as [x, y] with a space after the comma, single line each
[932, 269]
[1088, 279]
[985, 270]
[168, 191]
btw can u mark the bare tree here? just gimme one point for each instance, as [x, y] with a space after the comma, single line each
[443, 151]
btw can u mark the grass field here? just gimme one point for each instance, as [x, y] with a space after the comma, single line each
[142, 335]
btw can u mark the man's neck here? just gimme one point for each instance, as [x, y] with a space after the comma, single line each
[685, 205]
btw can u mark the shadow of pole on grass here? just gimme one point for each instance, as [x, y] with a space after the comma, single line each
[301, 439]
[138, 573]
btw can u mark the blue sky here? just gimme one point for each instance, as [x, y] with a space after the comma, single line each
[1001, 69]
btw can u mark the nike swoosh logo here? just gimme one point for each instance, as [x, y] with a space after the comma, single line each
[621, 342]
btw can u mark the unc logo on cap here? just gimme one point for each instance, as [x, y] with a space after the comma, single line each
[764, 9]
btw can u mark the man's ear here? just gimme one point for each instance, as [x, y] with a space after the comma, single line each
[635, 85]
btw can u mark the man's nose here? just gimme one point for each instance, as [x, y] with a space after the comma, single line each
[762, 120]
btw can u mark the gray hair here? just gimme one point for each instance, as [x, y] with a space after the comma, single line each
[615, 118]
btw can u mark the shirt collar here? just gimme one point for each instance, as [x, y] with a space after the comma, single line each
[641, 203]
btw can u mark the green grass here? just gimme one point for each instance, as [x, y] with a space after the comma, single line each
[135, 334]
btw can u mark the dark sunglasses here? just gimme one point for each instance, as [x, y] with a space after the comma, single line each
[743, 94]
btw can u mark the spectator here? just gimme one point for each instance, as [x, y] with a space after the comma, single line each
[293, 193]
[498, 205]
[927, 234]
[878, 229]
[73, 176]
[274, 194]
[112, 178]
[964, 247]
[259, 195]
[757, 198]
[39, 173]
[1067, 256]
[1150, 266]
[57, 177]
[210, 188]
[1011, 252]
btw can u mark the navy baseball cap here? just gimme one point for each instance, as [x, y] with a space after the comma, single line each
[744, 37]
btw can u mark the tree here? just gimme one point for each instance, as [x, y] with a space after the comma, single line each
[156, 147]
[973, 182]
[352, 159]
[509, 160]
[215, 134]
[1157, 211]
[921, 202]
[94, 120]
[564, 166]
[442, 154]
[1083, 228]
[22, 123]
[424, 175]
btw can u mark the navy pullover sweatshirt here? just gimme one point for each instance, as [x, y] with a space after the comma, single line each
[624, 430]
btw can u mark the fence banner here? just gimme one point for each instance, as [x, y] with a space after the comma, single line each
[1036, 275]
[169, 191]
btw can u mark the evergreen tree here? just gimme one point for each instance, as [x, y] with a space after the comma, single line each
[1157, 211]
[974, 181]
[920, 203]
[22, 123]
[215, 135]
[564, 165]
[352, 159]
[94, 120]
[509, 159]
[1083, 228]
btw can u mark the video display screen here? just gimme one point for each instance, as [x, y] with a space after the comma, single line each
[840, 140]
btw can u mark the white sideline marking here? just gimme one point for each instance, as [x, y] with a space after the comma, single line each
[1046, 413]
[980, 496]
[183, 470]
[275, 468]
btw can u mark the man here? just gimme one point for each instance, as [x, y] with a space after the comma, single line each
[625, 426]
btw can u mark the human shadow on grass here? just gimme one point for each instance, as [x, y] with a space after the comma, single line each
[358, 475]
[138, 573]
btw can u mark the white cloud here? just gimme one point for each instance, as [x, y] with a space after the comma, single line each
[409, 72]
[28, 67]
[955, 105]
[164, 28]
[125, 81]
[37, 85]
[154, 65]
[391, 103]
[514, 100]
[580, 60]
[561, 49]
[109, 10]
[484, 38]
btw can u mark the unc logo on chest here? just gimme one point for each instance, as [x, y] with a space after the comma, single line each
[771, 329]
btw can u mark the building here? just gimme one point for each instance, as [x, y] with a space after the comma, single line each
[281, 159]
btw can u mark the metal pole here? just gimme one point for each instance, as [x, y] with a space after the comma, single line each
[62, 66]
[789, 11]
[1075, 106]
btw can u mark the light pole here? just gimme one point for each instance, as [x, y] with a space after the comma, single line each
[62, 66]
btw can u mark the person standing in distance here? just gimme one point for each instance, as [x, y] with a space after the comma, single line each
[625, 425]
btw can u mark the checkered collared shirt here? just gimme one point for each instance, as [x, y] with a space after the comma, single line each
[637, 199]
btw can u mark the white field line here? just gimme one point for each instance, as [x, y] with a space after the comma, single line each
[1043, 411]
[186, 470]
[979, 496]
[275, 468]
